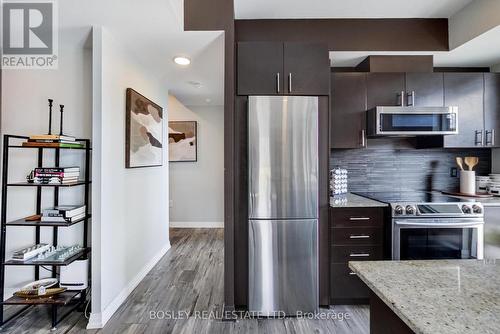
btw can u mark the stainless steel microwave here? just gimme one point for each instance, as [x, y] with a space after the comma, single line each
[412, 121]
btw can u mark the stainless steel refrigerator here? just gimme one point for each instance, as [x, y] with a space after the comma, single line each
[283, 204]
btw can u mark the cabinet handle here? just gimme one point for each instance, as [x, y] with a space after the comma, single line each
[490, 142]
[352, 273]
[363, 138]
[480, 141]
[359, 236]
[289, 82]
[359, 254]
[278, 81]
[411, 99]
[401, 98]
[359, 218]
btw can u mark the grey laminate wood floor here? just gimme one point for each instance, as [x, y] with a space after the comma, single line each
[189, 278]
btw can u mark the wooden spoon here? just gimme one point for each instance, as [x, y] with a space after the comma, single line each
[471, 162]
[460, 162]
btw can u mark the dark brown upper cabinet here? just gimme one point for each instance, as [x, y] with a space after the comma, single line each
[260, 68]
[427, 89]
[384, 89]
[271, 68]
[491, 109]
[395, 89]
[348, 105]
[465, 90]
[307, 69]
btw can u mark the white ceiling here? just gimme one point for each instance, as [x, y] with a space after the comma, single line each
[288, 9]
[482, 51]
[207, 68]
[153, 33]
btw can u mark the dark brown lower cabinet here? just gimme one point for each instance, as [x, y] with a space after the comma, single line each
[346, 286]
[356, 234]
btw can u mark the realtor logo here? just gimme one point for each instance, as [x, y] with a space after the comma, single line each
[29, 34]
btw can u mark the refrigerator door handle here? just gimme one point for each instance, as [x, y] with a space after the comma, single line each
[278, 82]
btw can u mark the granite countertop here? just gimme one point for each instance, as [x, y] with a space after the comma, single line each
[354, 201]
[438, 296]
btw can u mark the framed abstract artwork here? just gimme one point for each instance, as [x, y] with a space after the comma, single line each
[143, 131]
[182, 141]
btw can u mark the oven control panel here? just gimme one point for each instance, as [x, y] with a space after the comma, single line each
[465, 209]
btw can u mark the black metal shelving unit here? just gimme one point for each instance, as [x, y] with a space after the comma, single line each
[73, 298]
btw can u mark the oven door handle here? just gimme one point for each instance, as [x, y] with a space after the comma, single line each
[437, 224]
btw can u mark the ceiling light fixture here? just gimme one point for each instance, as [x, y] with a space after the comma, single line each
[183, 61]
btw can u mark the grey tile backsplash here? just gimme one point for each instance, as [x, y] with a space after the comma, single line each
[382, 167]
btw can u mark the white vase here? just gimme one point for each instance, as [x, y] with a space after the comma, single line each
[468, 182]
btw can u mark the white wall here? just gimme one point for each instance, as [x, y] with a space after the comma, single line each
[197, 188]
[131, 221]
[25, 112]
[473, 20]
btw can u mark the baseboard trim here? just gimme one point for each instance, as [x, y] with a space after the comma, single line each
[197, 224]
[99, 320]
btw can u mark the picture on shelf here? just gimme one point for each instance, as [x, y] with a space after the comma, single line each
[144, 131]
[182, 141]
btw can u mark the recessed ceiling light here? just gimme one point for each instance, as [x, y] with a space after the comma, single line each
[208, 100]
[180, 60]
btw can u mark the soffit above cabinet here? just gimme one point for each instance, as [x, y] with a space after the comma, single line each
[283, 9]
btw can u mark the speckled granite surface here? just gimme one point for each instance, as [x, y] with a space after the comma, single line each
[438, 296]
[354, 201]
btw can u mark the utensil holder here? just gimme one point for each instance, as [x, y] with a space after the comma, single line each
[468, 182]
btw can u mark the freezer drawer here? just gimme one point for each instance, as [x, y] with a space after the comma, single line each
[283, 157]
[283, 266]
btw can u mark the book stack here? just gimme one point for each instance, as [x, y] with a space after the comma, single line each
[64, 214]
[55, 175]
[52, 141]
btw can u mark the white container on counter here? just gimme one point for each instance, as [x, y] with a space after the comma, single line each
[468, 182]
[482, 184]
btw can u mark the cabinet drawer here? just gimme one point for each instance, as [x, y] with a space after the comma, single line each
[343, 254]
[345, 284]
[357, 217]
[356, 236]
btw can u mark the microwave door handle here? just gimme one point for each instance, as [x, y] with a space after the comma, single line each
[452, 121]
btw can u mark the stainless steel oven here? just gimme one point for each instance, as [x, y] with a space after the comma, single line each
[437, 231]
[412, 121]
[426, 239]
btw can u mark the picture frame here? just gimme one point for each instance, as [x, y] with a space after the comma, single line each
[183, 141]
[144, 123]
